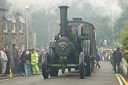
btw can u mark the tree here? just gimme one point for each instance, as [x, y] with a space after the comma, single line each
[124, 39]
[124, 36]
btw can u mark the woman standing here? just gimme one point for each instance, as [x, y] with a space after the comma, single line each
[20, 63]
[27, 59]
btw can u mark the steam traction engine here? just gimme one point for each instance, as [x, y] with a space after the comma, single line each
[73, 47]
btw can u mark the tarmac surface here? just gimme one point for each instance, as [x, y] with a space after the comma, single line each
[100, 76]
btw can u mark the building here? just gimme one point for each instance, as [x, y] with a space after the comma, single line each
[13, 30]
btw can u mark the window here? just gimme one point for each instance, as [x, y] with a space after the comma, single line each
[6, 18]
[6, 46]
[13, 24]
[20, 27]
[5, 29]
[21, 22]
[13, 27]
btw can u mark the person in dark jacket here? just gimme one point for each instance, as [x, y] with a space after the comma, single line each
[117, 56]
[97, 60]
[22, 57]
[16, 59]
[27, 60]
[8, 63]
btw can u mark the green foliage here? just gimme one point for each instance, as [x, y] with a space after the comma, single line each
[124, 39]
[124, 36]
[126, 57]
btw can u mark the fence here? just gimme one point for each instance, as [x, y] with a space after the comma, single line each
[124, 67]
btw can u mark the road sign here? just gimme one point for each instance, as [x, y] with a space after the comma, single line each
[105, 42]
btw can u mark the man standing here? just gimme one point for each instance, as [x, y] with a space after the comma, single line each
[16, 59]
[8, 63]
[117, 56]
[34, 62]
[3, 60]
[97, 60]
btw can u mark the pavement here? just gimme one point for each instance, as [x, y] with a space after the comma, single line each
[8, 76]
[13, 75]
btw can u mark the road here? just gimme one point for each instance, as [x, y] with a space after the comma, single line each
[101, 76]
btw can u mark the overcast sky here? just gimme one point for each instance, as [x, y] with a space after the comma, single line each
[101, 7]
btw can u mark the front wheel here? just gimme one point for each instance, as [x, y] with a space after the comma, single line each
[81, 65]
[53, 70]
[45, 65]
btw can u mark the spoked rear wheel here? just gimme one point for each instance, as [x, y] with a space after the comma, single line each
[92, 64]
[87, 55]
[81, 65]
[45, 65]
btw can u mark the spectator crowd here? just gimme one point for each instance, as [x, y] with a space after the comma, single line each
[29, 61]
[26, 62]
[112, 56]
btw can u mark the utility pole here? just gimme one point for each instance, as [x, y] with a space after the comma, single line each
[48, 32]
[34, 36]
[112, 24]
[26, 25]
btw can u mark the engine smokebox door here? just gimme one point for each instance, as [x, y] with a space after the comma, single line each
[63, 46]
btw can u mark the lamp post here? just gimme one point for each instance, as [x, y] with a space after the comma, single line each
[34, 38]
[26, 25]
[112, 26]
[48, 32]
